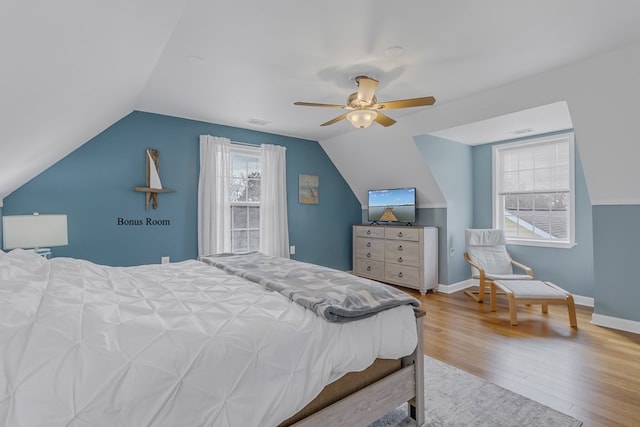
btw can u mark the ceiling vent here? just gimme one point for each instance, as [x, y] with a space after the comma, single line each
[258, 122]
[522, 131]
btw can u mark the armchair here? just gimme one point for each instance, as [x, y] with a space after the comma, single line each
[487, 254]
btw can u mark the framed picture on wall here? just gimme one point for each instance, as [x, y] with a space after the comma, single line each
[308, 186]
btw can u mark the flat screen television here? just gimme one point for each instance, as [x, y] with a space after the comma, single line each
[392, 205]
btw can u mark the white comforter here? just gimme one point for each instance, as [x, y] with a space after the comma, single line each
[179, 344]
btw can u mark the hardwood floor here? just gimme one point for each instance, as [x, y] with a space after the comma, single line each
[591, 373]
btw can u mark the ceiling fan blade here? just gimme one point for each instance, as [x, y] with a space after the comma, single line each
[337, 119]
[314, 104]
[366, 89]
[405, 103]
[384, 120]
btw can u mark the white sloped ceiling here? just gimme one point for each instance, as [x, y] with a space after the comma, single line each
[71, 68]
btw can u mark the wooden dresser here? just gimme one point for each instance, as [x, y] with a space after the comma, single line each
[401, 255]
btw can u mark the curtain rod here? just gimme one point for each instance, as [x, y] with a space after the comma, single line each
[247, 144]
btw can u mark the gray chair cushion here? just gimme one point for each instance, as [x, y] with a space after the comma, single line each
[487, 248]
[531, 289]
[492, 276]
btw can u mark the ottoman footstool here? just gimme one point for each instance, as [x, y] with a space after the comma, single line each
[533, 292]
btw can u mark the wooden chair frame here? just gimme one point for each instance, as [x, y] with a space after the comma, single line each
[484, 281]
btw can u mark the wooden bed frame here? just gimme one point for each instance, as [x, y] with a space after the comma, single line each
[360, 398]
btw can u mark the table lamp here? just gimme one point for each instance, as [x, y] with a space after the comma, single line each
[37, 232]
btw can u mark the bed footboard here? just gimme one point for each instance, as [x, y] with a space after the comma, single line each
[416, 405]
[404, 383]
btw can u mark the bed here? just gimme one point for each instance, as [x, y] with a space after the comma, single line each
[194, 344]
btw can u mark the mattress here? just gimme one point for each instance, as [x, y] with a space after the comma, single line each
[169, 344]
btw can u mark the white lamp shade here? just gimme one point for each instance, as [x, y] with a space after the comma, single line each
[362, 118]
[34, 231]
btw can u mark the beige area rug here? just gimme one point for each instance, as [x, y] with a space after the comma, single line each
[456, 398]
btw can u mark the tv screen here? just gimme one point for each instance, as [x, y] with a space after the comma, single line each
[392, 205]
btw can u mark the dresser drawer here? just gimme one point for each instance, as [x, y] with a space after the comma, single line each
[402, 233]
[402, 275]
[366, 243]
[369, 249]
[404, 256]
[377, 232]
[368, 268]
[402, 252]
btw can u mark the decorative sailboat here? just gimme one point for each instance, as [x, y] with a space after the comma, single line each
[154, 186]
[154, 177]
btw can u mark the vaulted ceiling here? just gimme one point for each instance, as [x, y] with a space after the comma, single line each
[71, 68]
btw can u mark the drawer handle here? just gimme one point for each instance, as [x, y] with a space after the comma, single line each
[368, 254]
[368, 231]
[368, 268]
[400, 274]
[399, 259]
[400, 234]
[368, 244]
[400, 247]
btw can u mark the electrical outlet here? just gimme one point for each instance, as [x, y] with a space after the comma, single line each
[165, 260]
[292, 250]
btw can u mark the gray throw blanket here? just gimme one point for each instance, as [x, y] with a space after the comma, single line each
[334, 295]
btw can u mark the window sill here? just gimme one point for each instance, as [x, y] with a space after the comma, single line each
[541, 243]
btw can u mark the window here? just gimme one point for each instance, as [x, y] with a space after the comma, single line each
[533, 191]
[244, 198]
[235, 184]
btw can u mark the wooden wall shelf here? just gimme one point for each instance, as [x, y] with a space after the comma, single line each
[152, 195]
[152, 190]
[153, 187]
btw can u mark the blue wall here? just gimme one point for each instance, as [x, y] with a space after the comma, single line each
[616, 237]
[94, 187]
[571, 268]
[451, 166]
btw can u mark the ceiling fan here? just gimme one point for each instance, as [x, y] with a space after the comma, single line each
[364, 108]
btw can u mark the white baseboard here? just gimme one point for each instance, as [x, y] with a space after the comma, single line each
[616, 323]
[455, 287]
[596, 319]
[583, 301]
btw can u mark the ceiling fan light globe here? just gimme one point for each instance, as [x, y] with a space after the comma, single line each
[361, 118]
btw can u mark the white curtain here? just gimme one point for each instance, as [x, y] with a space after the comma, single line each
[274, 230]
[214, 211]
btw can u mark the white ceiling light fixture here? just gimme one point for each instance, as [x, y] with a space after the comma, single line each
[362, 118]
